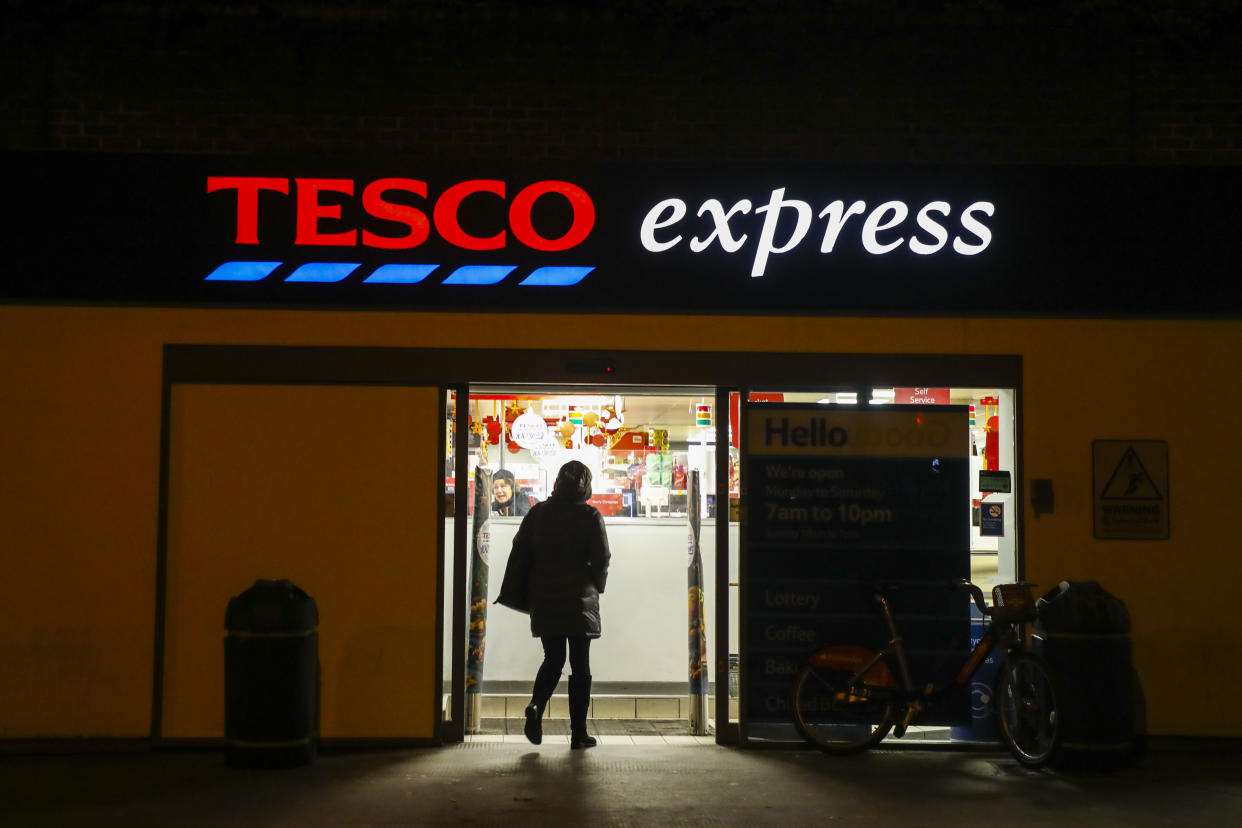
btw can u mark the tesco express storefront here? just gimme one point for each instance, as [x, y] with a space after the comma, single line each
[223, 369]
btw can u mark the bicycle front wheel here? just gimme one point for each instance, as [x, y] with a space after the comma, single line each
[834, 715]
[1027, 710]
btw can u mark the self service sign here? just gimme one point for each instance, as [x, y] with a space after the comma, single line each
[374, 234]
[837, 498]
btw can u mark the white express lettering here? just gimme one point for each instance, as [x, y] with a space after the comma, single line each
[720, 220]
[931, 226]
[836, 221]
[877, 222]
[931, 233]
[768, 234]
[668, 212]
[971, 224]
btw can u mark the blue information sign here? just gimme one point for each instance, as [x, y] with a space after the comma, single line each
[992, 520]
[836, 498]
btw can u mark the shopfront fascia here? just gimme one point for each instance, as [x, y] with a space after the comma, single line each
[622, 238]
[609, 242]
[455, 371]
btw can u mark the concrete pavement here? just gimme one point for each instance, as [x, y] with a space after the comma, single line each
[506, 783]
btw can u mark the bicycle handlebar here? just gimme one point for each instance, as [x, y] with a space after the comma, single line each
[975, 592]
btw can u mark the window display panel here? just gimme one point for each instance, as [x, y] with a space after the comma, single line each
[640, 448]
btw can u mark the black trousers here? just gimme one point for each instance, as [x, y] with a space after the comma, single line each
[554, 662]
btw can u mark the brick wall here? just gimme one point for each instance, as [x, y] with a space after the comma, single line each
[1148, 81]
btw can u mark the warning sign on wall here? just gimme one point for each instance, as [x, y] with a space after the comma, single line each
[1131, 489]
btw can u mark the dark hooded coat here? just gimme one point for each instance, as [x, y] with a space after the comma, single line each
[567, 546]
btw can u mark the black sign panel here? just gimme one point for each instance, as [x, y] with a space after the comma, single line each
[995, 481]
[337, 233]
[838, 498]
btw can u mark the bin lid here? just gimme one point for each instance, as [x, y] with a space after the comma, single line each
[271, 606]
[1081, 607]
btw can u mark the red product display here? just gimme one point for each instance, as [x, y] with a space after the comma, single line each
[608, 504]
[679, 476]
[635, 441]
[991, 445]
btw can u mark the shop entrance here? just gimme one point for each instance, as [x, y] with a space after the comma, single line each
[643, 443]
[653, 455]
[426, 445]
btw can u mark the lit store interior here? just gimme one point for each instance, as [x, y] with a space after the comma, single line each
[642, 447]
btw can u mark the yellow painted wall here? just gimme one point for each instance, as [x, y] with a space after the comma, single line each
[334, 488]
[79, 445]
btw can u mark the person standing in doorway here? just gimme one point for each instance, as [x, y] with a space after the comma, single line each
[566, 543]
[508, 498]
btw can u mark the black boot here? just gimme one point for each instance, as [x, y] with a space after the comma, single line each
[534, 723]
[545, 685]
[579, 705]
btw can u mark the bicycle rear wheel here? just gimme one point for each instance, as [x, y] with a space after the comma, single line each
[835, 716]
[1027, 710]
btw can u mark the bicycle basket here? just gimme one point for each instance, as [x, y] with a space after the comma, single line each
[1013, 603]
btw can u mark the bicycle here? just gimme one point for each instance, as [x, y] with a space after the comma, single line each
[846, 698]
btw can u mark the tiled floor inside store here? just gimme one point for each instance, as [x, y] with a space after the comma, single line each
[613, 719]
[607, 731]
[649, 732]
[630, 720]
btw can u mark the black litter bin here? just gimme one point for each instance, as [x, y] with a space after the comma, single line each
[271, 677]
[1083, 632]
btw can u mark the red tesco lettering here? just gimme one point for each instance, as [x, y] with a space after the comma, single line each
[318, 212]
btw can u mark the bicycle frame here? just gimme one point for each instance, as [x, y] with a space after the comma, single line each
[997, 632]
[864, 700]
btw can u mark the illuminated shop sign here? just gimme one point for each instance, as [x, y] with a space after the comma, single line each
[787, 222]
[313, 208]
[310, 208]
[624, 237]
[881, 230]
